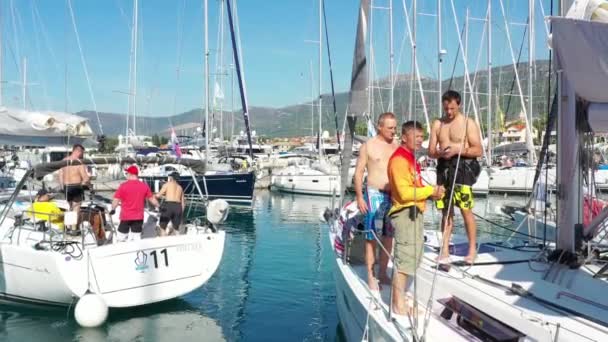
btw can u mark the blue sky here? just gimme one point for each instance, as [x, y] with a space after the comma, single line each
[273, 34]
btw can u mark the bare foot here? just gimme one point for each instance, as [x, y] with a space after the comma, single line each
[372, 283]
[403, 309]
[443, 259]
[470, 259]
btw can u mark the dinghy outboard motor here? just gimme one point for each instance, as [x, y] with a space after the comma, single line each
[217, 213]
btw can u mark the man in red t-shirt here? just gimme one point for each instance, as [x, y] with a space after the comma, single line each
[131, 196]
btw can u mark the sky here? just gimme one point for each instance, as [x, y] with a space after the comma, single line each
[55, 37]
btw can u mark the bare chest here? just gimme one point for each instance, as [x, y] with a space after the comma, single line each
[454, 132]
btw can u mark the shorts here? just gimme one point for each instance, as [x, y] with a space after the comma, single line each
[409, 239]
[134, 226]
[463, 198]
[378, 205]
[171, 211]
[74, 193]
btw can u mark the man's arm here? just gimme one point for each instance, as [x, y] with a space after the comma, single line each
[61, 177]
[183, 202]
[403, 181]
[475, 149]
[433, 153]
[153, 201]
[359, 170]
[162, 192]
[84, 175]
[115, 204]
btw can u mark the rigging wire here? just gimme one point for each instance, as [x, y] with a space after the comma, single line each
[84, 65]
[331, 78]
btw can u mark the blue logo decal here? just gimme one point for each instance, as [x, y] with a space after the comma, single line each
[141, 264]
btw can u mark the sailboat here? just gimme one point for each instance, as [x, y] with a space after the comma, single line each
[120, 274]
[555, 291]
[320, 177]
[364, 315]
[234, 186]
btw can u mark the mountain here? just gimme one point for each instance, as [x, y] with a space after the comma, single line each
[295, 120]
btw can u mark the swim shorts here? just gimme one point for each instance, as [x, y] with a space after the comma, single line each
[378, 204]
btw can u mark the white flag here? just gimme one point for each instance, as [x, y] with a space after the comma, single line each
[217, 92]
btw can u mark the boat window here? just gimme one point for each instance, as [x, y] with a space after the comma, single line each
[57, 155]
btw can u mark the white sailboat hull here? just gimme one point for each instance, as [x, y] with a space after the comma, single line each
[307, 181]
[125, 274]
[516, 179]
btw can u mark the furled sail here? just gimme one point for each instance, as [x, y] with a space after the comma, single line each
[22, 127]
[357, 102]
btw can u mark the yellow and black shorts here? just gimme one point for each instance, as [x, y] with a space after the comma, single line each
[463, 198]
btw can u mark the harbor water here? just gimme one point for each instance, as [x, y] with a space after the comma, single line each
[275, 283]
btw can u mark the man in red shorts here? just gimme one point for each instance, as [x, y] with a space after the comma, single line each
[131, 196]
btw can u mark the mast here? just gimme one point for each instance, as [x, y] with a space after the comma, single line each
[357, 96]
[489, 104]
[24, 85]
[413, 69]
[530, 75]
[312, 102]
[465, 51]
[569, 185]
[370, 80]
[1, 41]
[391, 57]
[320, 77]
[135, 43]
[206, 34]
[232, 100]
[221, 69]
[240, 78]
[440, 53]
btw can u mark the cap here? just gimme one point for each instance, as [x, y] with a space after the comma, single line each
[174, 175]
[133, 170]
[42, 192]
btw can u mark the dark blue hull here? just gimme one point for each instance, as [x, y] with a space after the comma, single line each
[236, 188]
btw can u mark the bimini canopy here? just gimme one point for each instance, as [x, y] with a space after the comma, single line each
[44, 169]
[22, 127]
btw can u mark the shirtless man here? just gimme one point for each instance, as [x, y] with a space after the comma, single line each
[375, 201]
[73, 178]
[456, 135]
[173, 207]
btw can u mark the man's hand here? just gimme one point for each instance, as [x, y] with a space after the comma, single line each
[438, 192]
[451, 151]
[362, 205]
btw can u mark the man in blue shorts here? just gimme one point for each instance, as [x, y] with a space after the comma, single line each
[375, 201]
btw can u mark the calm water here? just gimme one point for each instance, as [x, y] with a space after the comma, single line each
[275, 283]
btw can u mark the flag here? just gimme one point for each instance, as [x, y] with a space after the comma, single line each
[218, 94]
[175, 144]
[371, 130]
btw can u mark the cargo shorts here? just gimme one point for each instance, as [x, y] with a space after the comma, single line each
[409, 239]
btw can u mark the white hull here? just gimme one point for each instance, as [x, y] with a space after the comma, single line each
[486, 285]
[601, 179]
[517, 179]
[307, 181]
[359, 311]
[124, 274]
[354, 306]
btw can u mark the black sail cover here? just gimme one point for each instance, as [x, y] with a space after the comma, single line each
[358, 100]
[44, 169]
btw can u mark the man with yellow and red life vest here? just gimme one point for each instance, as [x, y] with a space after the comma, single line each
[408, 196]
